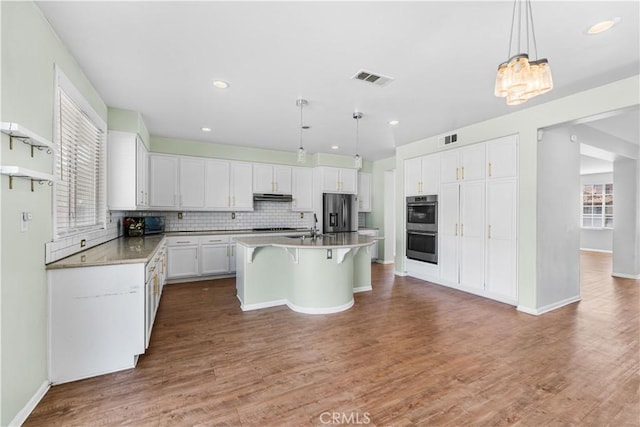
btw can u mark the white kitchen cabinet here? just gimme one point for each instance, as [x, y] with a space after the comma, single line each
[127, 172]
[228, 185]
[218, 184]
[463, 164]
[163, 181]
[472, 227]
[241, 186]
[142, 174]
[302, 189]
[338, 180]
[448, 230]
[182, 257]
[422, 175]
[502, 157]
[501, 247]
[364, 192]
[101, 317]
[192, 182]
[214, 255]
[272, 179]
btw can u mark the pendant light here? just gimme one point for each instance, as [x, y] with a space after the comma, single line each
[518, 79]
[357, 160]
[302, 154]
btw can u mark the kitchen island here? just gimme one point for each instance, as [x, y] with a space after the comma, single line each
[313, 276]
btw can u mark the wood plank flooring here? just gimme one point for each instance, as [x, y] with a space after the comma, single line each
[408, 353]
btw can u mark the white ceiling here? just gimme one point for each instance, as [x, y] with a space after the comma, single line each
[160, 58]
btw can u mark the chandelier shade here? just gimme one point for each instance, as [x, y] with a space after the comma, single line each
[519, 78]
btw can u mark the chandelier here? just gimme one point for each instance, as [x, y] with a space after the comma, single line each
[357, 160]
[302, 154]
[519, 78]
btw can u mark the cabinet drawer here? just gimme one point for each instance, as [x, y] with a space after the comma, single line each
[214, 239]
[181, 241]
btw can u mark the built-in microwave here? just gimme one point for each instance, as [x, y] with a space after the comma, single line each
[422, 213]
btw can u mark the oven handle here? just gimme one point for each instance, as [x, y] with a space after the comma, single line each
[422, 233]
[412, 204]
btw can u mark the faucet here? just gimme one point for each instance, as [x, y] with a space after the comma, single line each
[314, 230]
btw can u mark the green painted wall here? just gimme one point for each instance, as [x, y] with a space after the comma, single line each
[128, 121]
[248, 154]
[30, 49]
[525, 122]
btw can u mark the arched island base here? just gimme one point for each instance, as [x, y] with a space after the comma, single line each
[309, 276]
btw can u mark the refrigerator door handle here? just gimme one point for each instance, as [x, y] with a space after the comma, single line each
[344, 214]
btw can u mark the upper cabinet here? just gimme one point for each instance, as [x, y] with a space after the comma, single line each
[229, 186]
[364, 192]
[192, 182]
[127, 172]
[272, 179]
[302, 191]
[422, 175]
[338, 180]
[163, 181]
[502, 157]
[463, 164]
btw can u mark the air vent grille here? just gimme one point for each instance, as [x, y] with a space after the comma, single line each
[373, 78]
[449, 139]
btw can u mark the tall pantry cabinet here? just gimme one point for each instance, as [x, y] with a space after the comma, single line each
[478, 218]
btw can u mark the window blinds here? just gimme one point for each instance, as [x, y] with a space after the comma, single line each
[80, 194]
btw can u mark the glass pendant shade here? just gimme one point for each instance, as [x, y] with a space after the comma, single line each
[357, 161]
[520, 79]
[302, 155]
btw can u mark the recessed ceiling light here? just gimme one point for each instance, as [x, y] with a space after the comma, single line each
[394, 122]
[220, 84]
[205, 129]
[603, 26]
[334, 147]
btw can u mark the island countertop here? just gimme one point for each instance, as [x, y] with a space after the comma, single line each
[331, 241]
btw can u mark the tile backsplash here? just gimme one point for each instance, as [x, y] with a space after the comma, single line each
[265, 214]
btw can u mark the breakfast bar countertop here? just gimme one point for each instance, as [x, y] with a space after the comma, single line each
[341, 240]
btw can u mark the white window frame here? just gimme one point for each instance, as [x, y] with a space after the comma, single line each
[64, 83]
[603, 214]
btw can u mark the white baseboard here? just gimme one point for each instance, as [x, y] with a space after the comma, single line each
[549, 307]
[596, 250]
[625, 276]
[381, 261]
[257, 306]
[198, 278]
[362, 288]
[320, 310]
[400, 273]
[24, 413]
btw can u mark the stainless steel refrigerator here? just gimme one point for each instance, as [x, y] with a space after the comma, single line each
[340, 213]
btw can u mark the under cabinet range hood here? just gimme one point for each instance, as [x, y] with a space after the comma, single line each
[270, 197]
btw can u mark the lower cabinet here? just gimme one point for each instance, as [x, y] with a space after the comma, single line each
[101, 317]
[216, 255]
[182, 254]
[191, 257]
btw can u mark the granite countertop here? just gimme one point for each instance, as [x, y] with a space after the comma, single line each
[368, 228]
[332, 241]
[123, 250]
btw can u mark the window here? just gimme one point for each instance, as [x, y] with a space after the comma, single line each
[597, 205]
[79, 201]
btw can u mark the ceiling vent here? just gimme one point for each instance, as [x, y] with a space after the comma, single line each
[373, 78]
[449, 139]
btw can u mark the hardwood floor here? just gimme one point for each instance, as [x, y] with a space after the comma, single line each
[407, 353]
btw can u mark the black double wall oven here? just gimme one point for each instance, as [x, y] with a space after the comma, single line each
[422, 228]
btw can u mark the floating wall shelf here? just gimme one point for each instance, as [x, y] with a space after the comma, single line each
[20, 172]
[15, 131]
